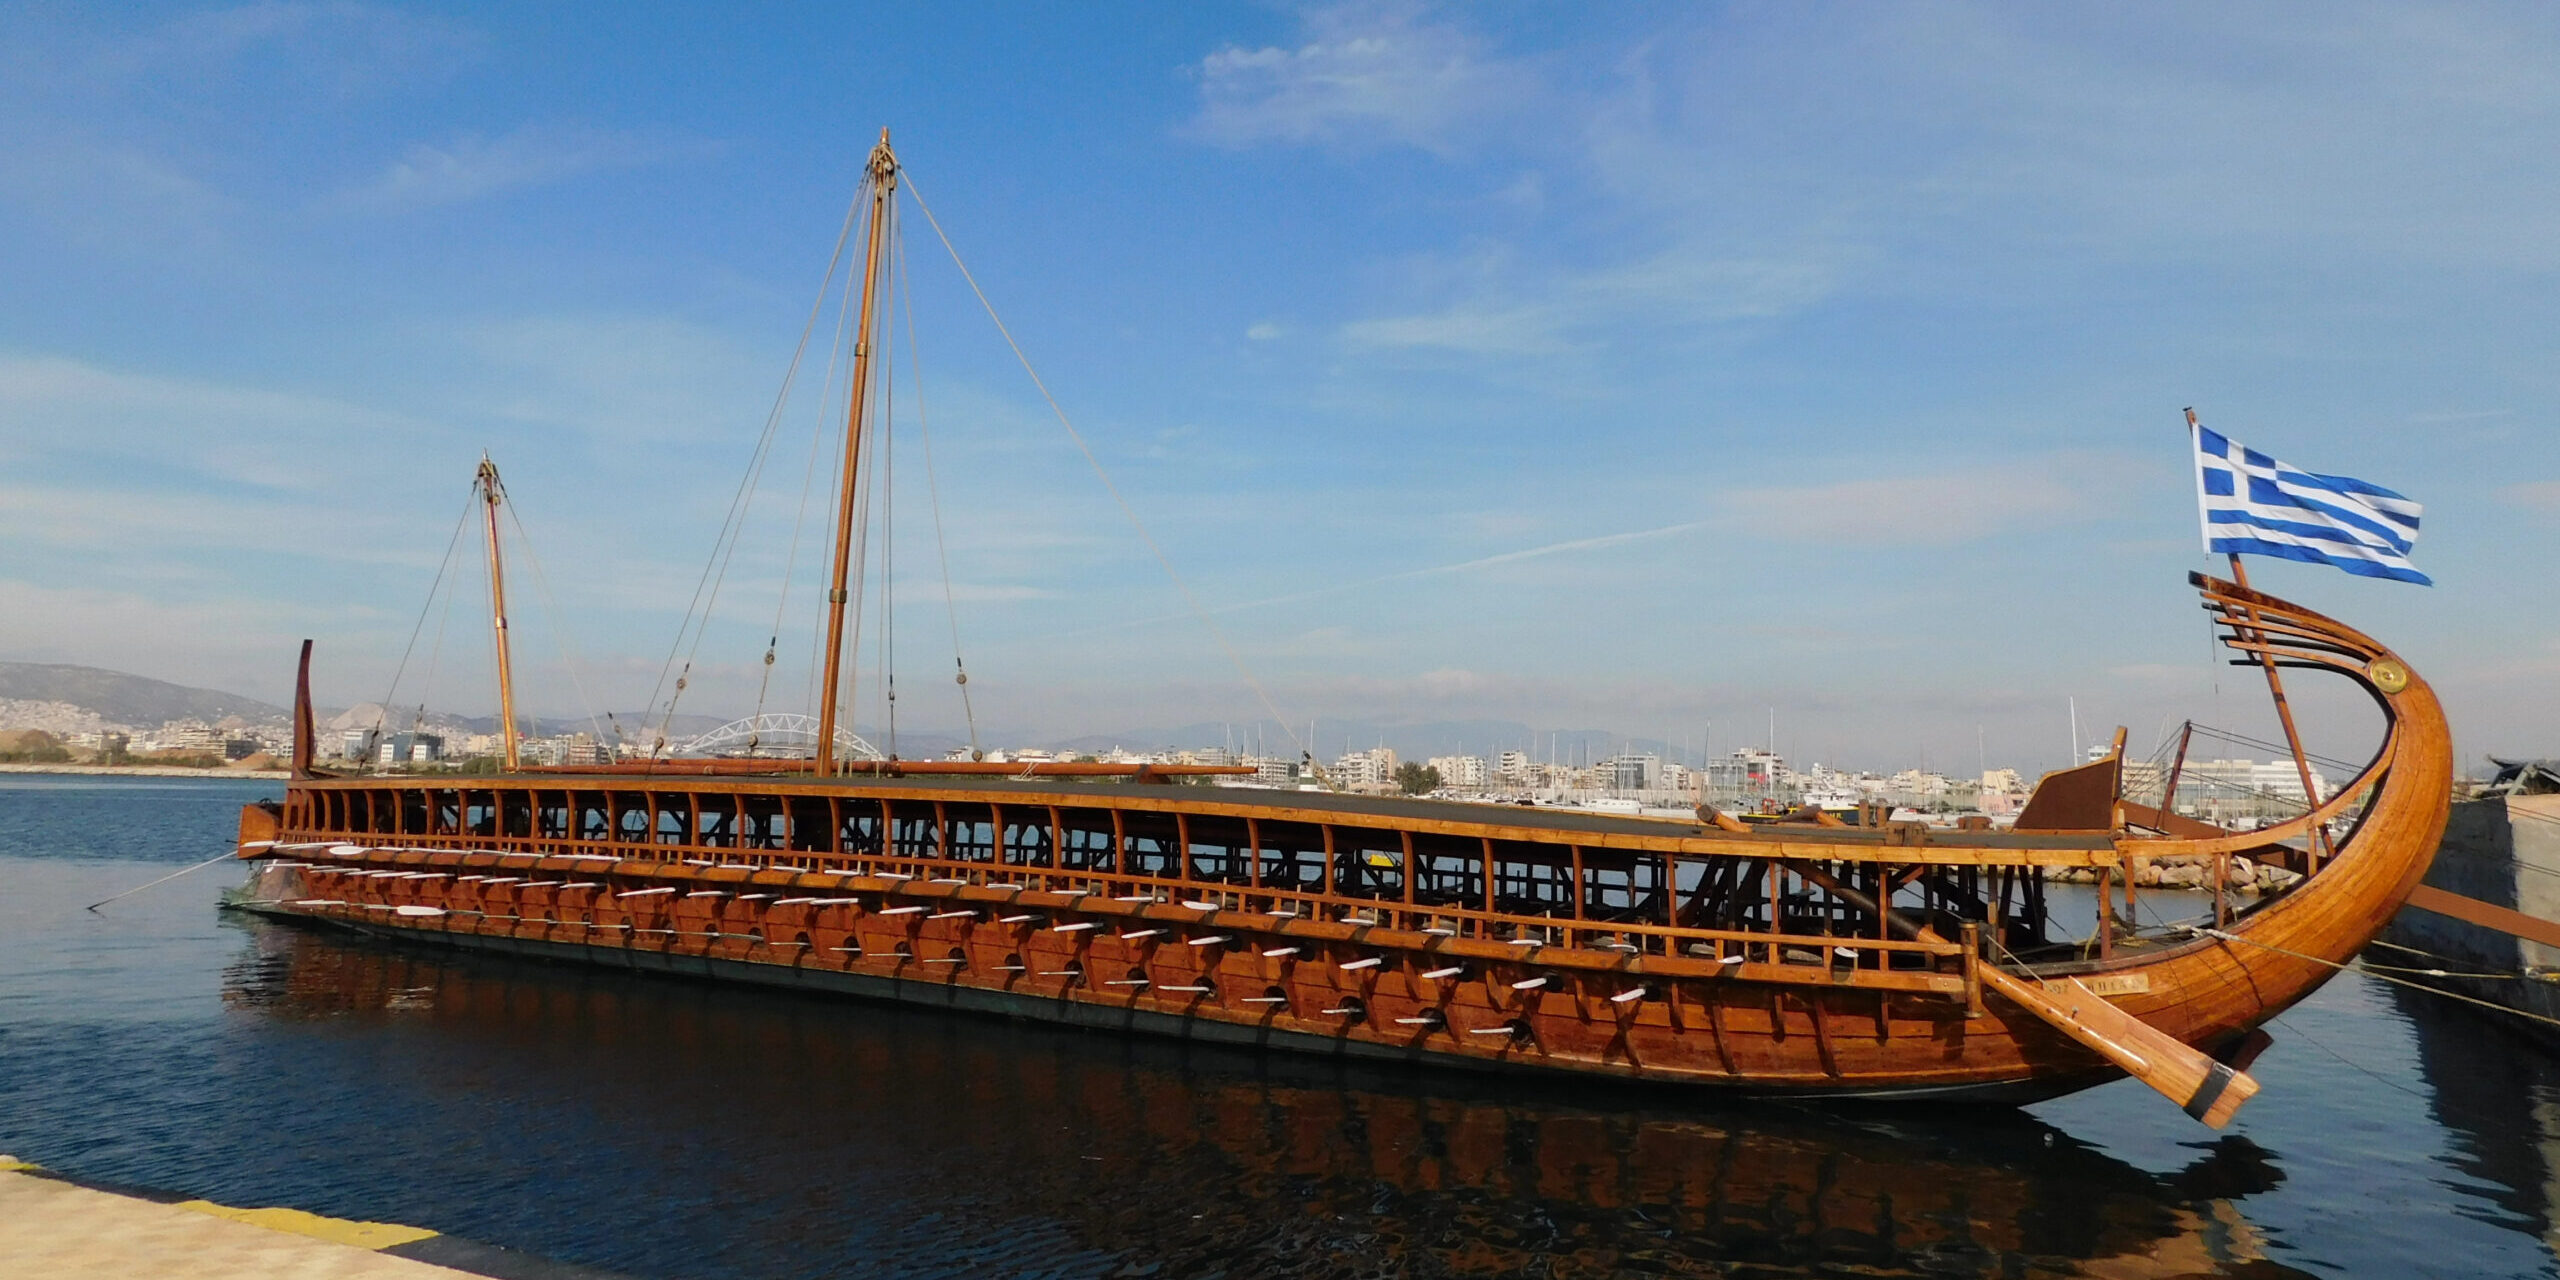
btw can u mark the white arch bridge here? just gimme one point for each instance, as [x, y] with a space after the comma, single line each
[777, 734]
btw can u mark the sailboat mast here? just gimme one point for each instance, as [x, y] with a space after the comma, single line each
[883, 174]
[487, 483]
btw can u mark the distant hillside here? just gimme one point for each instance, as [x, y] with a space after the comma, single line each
[1411, 741]
[125, 699]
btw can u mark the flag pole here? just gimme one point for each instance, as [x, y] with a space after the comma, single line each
[2284, 713]
[2321, 844]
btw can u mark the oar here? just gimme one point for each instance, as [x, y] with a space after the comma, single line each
[2202, 1087]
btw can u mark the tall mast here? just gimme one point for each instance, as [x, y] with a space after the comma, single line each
[883, 176]
[490, 491]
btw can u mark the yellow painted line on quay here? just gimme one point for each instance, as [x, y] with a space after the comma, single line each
[363, 1235]
[55, 1228]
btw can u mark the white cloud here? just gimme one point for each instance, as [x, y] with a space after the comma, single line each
[472, 167]
[2541, 496]
[54, 406]
[339, 45]
[233, 642]
[626, 376]
[109, 196]
[1365, 77]
[1909, 509]
[1518, 309]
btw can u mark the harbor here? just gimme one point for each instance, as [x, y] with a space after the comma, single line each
[1342, 639]
[656, 1128]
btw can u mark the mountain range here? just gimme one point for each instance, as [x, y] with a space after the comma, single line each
[119, 698]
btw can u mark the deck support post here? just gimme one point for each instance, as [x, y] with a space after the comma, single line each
[1973, 971]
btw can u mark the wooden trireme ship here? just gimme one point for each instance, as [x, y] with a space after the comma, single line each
[1798, 955]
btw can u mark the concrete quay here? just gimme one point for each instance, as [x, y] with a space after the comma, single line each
[55, 1229]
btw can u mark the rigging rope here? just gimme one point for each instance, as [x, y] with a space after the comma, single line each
[559, 620]
[799, 526]
[933, 492]
[435, 654]
[839, 362]
[886, 472]
[1216, 632]
[381, 720]
[2244, 740]
[715, 571]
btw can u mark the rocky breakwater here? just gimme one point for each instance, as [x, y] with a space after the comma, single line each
[2246, 877]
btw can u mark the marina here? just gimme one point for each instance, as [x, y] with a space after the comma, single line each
[1334, 640]
[666, 1128]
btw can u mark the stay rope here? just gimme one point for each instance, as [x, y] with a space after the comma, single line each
[381, 720]
[886, 472]
[558, 618]
[933, 494]
[799, 525]
[715, 570]
[1206, 620]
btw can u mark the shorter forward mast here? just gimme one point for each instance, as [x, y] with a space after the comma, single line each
[882, 173]
[486, 482]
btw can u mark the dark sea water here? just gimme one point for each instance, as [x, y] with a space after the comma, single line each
[665, 1129]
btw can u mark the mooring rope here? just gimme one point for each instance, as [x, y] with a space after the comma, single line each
[2227, 936]
[219, 857]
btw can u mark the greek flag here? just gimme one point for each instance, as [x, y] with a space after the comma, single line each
[2255, 505]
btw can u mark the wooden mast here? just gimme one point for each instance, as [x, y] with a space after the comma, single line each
[487, 483]
[883, 175]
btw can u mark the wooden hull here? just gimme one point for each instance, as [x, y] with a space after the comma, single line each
[1779, 1040]
[1468, 936]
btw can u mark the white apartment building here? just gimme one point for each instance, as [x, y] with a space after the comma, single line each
[1375, 767]
[1467, 772]
[1630, 771]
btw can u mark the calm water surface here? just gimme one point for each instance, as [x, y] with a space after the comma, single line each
[665, 1129]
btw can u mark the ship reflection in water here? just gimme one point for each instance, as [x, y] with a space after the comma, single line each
[669, 1129]
[2498, 1095]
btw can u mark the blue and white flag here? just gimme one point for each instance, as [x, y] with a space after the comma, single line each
[2254, 505]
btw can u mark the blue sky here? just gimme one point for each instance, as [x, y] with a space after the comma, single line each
[1641, 371]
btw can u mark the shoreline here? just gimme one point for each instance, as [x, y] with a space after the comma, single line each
[146, 771]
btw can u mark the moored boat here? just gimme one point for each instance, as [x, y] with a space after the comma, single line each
[1805, 956]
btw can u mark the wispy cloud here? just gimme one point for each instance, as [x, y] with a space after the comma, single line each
[235, 640]
[1523, 312]
[473, 167]
[2536, 495]
[108, 195]
[622, 376]
[337, 42]
[333, 47]
[1928, 509]
[59, 408]
[1366, 77]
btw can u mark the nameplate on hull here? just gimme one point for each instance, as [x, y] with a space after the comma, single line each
[2109, 984]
